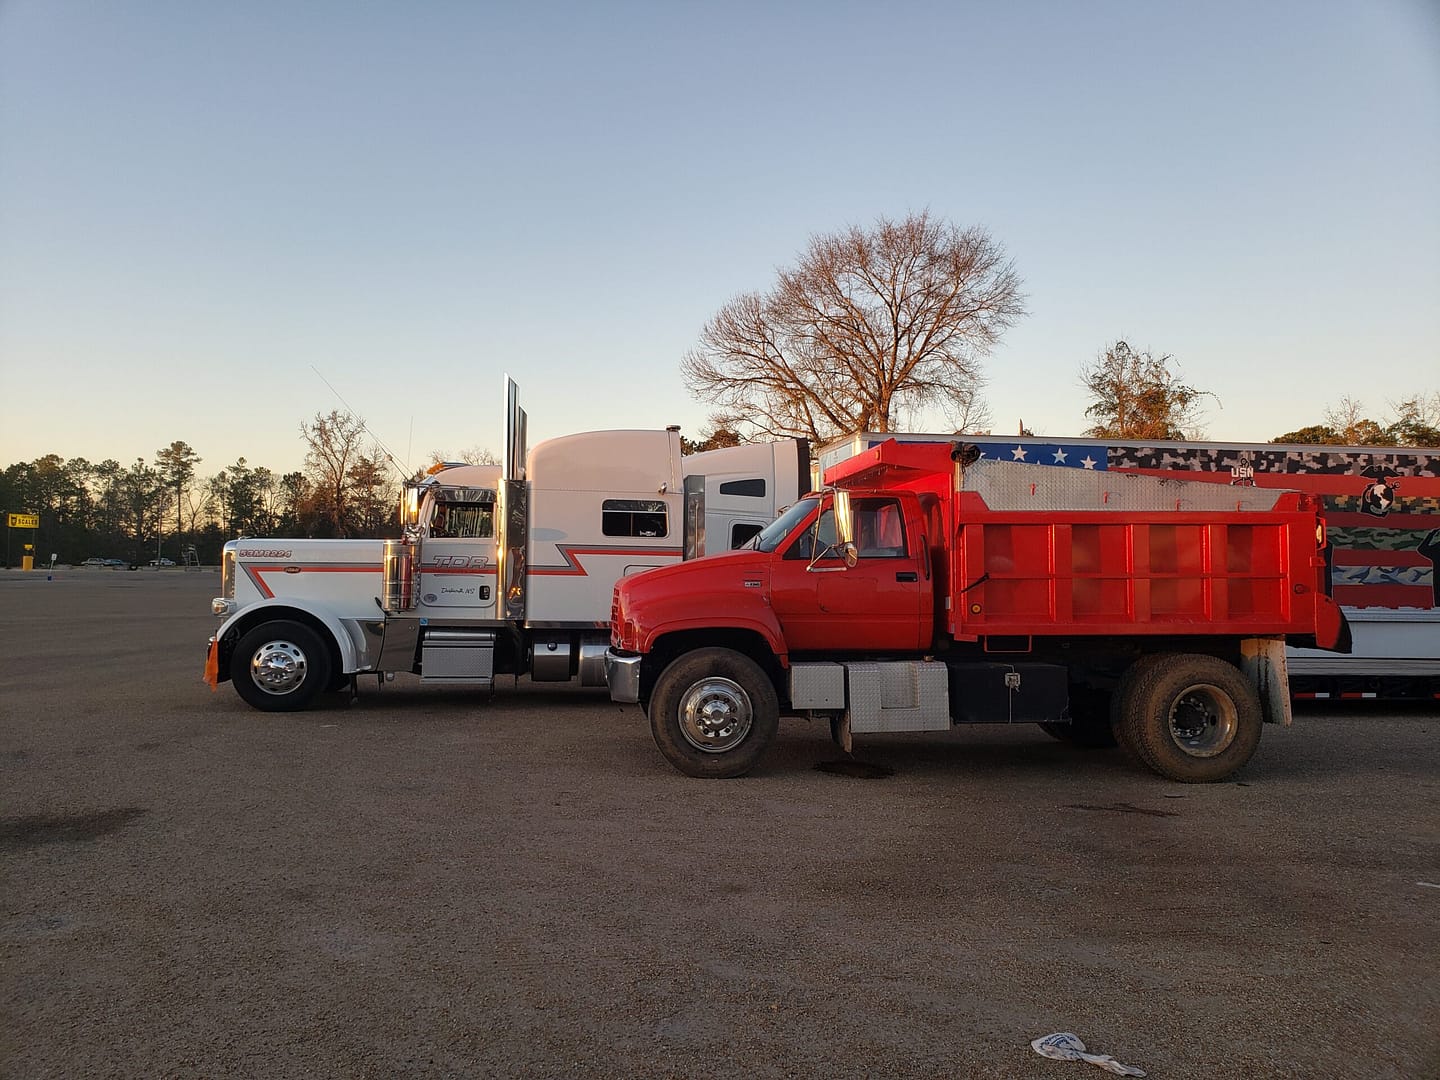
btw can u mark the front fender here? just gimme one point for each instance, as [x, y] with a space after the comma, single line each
[757, 623]
[313, 615]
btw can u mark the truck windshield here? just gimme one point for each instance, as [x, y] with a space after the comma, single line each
[774, 534]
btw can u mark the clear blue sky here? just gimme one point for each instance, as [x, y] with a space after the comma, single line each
[200, 203]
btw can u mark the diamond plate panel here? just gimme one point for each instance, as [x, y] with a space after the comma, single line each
[817, 686]
[1010, 485]
[902, 695]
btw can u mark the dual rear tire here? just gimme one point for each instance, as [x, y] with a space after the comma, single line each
[1191, 718]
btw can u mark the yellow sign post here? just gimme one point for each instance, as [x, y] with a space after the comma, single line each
[22, 521]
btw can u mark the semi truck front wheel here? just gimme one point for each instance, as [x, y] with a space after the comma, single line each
[713, 713]
[280, 666]
[1193, 718]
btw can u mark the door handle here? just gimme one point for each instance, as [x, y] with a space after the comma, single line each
[906, 575]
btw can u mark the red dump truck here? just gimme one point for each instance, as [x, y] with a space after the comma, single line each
[927, 586]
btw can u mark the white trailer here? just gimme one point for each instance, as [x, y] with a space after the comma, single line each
[499, 569]
[1382, 511]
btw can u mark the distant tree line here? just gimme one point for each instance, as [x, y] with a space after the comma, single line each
[157, 509]
[1415, 421]
[349, 487]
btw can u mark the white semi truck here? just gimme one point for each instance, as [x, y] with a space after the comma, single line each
[498, 569]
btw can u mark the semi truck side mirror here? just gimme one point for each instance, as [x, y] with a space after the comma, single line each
[409, 505]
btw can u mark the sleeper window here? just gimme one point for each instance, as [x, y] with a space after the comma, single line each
[634, 517]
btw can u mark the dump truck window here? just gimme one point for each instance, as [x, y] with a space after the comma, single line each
[879, 528]
[820, 538]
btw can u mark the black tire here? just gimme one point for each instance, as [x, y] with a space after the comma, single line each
[280, 666]
[1123, 709]
[1194, 719]
[713, 713]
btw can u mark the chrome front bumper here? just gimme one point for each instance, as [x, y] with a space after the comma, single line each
[622, 675]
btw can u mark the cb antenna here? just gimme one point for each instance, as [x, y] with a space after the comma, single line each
[389, 455]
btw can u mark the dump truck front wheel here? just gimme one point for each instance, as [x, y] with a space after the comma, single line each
[713, 713]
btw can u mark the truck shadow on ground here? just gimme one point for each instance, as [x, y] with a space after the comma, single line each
[1398, 740]
[958, 754]
[410, 694]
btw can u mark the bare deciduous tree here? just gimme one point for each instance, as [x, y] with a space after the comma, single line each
[1416, 423]
[1137, 395]
[1417, 420]
[475, 455]
[372, 493]
[867, 327]
[1352, 426]
[335, 445]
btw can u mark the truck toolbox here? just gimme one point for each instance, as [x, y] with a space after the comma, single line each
[458, 655]
[997, 693]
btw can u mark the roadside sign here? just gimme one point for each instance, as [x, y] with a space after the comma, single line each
[23, 521]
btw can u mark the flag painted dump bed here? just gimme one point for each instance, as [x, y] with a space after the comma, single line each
[1381, 503]
[1035, 551]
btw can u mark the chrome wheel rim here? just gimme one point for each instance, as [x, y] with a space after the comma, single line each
[278, 667]
[715, 715]
[1203, 720]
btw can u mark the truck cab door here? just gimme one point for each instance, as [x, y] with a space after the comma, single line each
[884, 603]
[457, 563]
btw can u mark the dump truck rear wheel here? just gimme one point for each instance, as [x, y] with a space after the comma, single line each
[1195, 719]
[1123, 710]
[713, 713]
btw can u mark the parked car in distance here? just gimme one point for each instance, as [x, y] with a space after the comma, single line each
[162, 562]
[93, 562]
[107, 564]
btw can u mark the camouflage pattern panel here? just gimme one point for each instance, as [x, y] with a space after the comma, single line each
[1382, 508]
[1382, 505]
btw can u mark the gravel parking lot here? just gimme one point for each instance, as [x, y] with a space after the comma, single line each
[427, 882]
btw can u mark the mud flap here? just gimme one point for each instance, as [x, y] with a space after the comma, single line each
[212, 665]
[1263, 662]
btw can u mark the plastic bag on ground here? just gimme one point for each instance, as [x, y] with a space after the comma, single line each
[1066, 1046]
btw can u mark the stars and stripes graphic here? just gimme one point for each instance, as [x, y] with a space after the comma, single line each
[1066, 455]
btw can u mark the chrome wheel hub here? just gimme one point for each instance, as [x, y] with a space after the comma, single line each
[278, 667]
[715, 715]
[1203, 720]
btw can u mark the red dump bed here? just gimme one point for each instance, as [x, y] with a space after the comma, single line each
[1032, 551]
